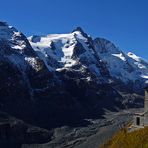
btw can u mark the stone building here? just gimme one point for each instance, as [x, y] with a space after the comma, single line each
[141, 119]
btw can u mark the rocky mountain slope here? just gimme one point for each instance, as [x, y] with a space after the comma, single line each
[63, 79]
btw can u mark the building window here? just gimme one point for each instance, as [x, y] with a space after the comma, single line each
[138, 121]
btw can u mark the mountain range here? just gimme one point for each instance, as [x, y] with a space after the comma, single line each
[61, 79]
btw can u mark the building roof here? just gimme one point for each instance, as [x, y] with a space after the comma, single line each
[141, 113]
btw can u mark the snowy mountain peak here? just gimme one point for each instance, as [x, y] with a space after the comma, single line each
[78, 29]
[100, 56]
[62, 50]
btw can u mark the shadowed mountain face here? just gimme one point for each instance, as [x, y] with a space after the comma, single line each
[62, 79]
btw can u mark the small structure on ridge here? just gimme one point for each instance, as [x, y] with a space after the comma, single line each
[141, 119]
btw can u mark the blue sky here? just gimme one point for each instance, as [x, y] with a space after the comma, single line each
[124, 22]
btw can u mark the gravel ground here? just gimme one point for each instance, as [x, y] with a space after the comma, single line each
[95, 134]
